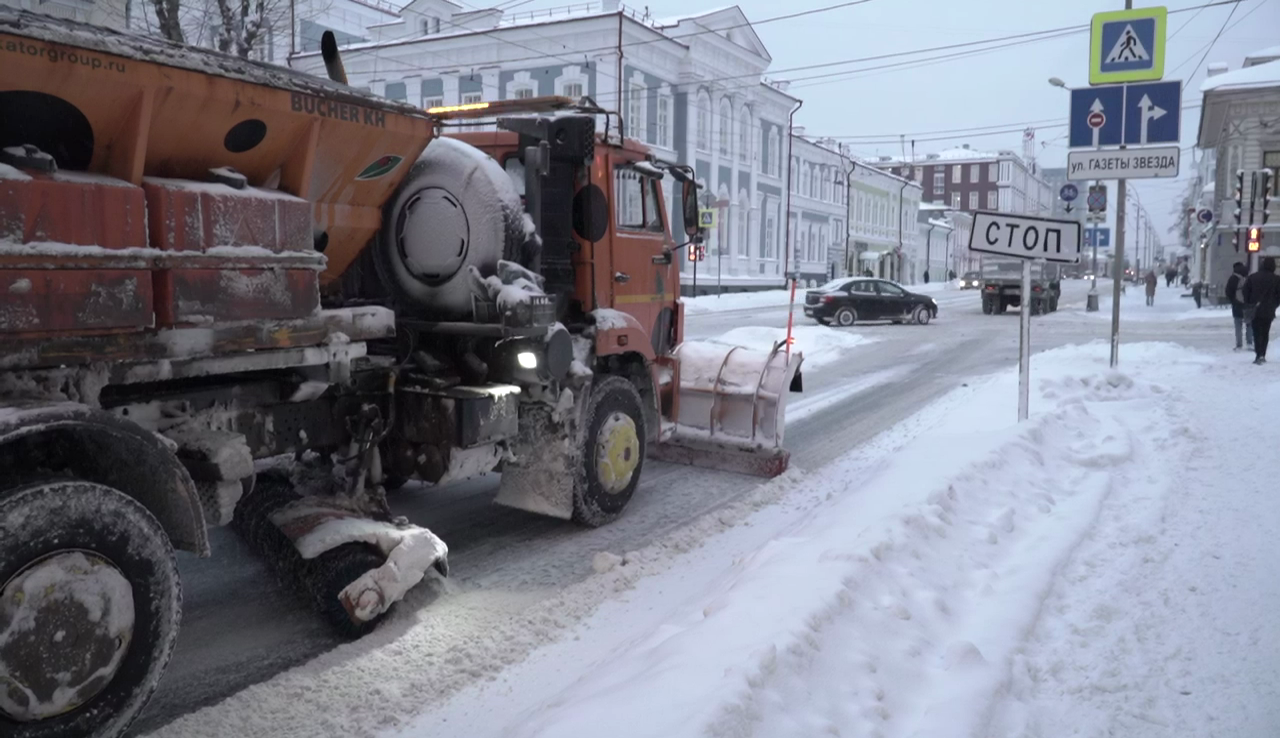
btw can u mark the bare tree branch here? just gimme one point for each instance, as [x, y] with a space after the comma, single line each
[167, 15]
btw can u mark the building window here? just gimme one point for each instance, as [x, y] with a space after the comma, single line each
[430, 26]
[974, 173]
[791, 175]
[993, 172]
[955, 200]
[635, 113]
[472, 98]
[939, 181]
[704, 123]
[993, 200]
[572, 90]
[744, 135]
[744, 212]
[523, 93]
[433, 102]
[775, 151]
[726, 127]
[664, 121]
[973, 201]
[770, 236]
[1006, 170]
[396, 91]
[955, 173]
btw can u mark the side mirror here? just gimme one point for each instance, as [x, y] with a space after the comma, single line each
[689, 198]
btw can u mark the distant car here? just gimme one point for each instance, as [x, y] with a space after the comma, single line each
[845, 302]
[971, 281]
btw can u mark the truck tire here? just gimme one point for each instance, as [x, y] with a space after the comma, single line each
[68, 546]
[987, 307]
[1053, 305]
[845, 317]
[613, 449]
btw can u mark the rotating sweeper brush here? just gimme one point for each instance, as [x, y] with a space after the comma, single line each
[349, 565]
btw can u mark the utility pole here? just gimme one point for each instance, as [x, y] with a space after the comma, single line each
[1116, 282]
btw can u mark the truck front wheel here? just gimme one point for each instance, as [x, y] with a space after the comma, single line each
[90, 601]
[613, 448]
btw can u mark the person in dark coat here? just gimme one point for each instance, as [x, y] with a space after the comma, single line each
[1262, 293]
[1241, 317]
[1150, 280]
[1170, 274]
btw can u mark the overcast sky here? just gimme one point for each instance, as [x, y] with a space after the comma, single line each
[1008, 86]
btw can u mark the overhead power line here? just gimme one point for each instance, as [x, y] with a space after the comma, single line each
[408, 67]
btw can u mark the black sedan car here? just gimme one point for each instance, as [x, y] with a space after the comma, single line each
[859, 300]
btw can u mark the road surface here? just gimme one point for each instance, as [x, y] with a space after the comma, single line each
[239, 628]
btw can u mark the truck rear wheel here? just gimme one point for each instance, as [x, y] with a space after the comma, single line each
[987, 307]
[90, 603]
[613, 449]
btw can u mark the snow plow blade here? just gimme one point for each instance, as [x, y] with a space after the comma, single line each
[730, 408]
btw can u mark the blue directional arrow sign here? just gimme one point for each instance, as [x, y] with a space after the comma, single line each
[1152, 113]
[1097, 117]
[1100, 237]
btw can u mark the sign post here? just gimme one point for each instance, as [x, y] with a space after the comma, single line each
[1030, 239]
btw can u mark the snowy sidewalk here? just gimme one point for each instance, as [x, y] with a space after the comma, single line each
[1087, 573]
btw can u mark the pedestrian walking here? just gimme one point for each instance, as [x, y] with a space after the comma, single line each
[1241, 316]
[1262, 293]
[1170, 274]
[1150, 279]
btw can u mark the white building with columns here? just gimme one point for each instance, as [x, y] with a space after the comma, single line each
[689, 87]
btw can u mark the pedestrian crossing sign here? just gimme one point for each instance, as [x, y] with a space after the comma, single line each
[1127, 46]
[707, 219]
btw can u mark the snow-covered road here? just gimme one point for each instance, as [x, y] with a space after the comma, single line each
[522, 582]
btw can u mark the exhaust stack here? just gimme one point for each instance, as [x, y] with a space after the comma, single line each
[332, 59]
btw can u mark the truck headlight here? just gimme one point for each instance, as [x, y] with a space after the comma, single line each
[527, 360]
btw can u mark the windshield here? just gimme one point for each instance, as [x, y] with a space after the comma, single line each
[970, 275]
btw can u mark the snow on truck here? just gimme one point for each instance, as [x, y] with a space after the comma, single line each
[233, 294]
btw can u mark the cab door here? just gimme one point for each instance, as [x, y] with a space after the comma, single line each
[641, 283]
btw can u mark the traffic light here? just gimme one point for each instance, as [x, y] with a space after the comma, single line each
[1266, 183]
[1238, 196]
[693, 252]
[1255, 239]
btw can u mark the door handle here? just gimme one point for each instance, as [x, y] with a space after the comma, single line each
[621, 277]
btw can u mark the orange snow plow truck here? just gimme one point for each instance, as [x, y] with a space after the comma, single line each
[234, 294]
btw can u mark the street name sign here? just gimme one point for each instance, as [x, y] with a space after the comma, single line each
[1127, 45]
[1025, 237]
[1150, 163]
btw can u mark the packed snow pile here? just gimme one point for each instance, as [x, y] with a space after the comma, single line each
[1003, 582]
[741, 301]
[1170, 304]
[819, 344]
[962, 575]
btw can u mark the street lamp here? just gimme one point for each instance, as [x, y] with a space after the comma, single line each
[1057, 82]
